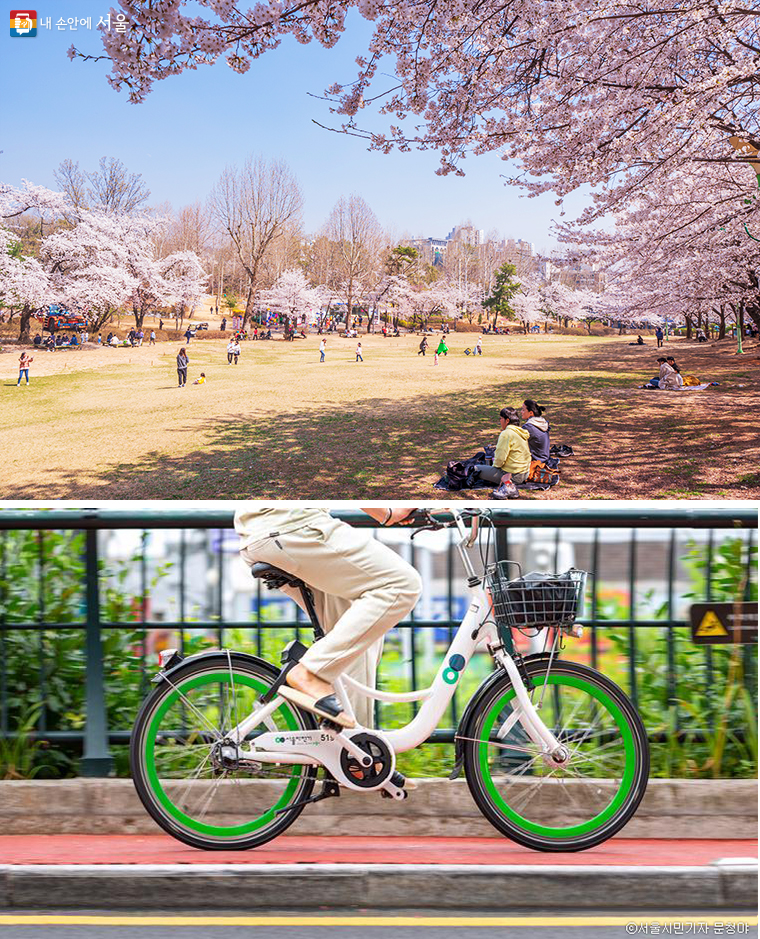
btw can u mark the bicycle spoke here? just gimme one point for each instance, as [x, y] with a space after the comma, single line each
[194, 709]
[573, 791]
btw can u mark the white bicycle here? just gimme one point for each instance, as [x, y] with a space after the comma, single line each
[554, 753]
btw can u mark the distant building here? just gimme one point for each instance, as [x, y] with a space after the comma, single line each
[467, 235]
[431, 250]
[546, 270]
[584, 277]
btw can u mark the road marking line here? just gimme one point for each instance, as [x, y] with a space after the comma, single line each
[78, 919]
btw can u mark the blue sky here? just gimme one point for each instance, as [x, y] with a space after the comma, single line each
[193, 125]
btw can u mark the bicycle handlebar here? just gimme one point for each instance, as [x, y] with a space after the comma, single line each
[435, 524]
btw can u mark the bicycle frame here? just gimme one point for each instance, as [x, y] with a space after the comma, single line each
[324, 746]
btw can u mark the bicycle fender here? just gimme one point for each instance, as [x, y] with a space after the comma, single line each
[474, 702]
[464, 720]
[221, 657]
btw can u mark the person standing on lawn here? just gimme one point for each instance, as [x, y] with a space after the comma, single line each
[322, 347]
[182, 362]
[359, 352]
[24, 361]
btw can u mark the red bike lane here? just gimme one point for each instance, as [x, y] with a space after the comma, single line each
[313, 849]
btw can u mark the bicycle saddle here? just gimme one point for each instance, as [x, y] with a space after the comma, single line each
[275, 576]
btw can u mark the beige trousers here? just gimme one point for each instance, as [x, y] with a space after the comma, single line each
[361, 589]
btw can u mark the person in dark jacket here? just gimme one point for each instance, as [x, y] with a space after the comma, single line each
[538, 428]
[182, 363]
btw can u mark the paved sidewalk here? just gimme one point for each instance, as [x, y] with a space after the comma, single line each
[154, 872]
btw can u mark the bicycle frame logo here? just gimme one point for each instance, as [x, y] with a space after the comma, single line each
[451, 674]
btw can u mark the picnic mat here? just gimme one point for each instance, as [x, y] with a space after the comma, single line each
[682, 388]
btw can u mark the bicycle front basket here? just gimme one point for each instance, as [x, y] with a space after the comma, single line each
[535, 601]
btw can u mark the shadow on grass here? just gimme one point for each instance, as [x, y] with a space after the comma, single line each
[628, 444]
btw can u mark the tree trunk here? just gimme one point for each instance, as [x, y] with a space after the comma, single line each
[753, 312]
[687, 318]
[25, 324]
[249, 304]
[721, 321]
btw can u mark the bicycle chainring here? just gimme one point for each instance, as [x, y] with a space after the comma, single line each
[374, 775]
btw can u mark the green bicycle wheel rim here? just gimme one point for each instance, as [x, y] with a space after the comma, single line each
[626, 782]
[157, 789]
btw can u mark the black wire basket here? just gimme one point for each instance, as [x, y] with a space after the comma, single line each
[535, 601]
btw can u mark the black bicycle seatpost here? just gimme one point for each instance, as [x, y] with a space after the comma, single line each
[308, 600]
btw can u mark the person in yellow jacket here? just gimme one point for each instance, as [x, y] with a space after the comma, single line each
[511, 461]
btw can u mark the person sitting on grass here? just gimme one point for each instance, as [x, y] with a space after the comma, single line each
[668, 377]
[538, 428]
[511, 461]
[201, 380]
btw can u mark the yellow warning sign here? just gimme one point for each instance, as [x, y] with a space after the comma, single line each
[711, 626]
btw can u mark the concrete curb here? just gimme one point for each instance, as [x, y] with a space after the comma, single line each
[671, 808]
[724, 886]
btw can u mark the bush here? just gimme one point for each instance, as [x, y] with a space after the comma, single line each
[709, 729]
[43, 576]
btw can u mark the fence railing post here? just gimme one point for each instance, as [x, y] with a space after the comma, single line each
[96, 759]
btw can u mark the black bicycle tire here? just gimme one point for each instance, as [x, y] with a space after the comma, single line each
[579, 843]
[285, 819]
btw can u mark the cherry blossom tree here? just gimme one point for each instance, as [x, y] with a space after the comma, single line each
[577, 93]
[88, 267]
[25, 287]
[185, 280]
[683, 251]
[292, 295]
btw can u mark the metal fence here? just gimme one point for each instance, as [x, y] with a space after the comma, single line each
[32, 604]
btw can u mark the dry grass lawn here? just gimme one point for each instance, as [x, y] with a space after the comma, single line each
[112, 423]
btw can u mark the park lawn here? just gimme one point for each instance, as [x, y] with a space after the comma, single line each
[112, 423]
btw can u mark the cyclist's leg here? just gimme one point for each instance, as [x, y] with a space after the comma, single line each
[364, 669]
[349, 563]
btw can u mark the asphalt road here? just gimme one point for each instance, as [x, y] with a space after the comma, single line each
[367, 925]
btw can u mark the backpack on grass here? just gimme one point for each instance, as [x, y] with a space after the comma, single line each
[545, 474]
